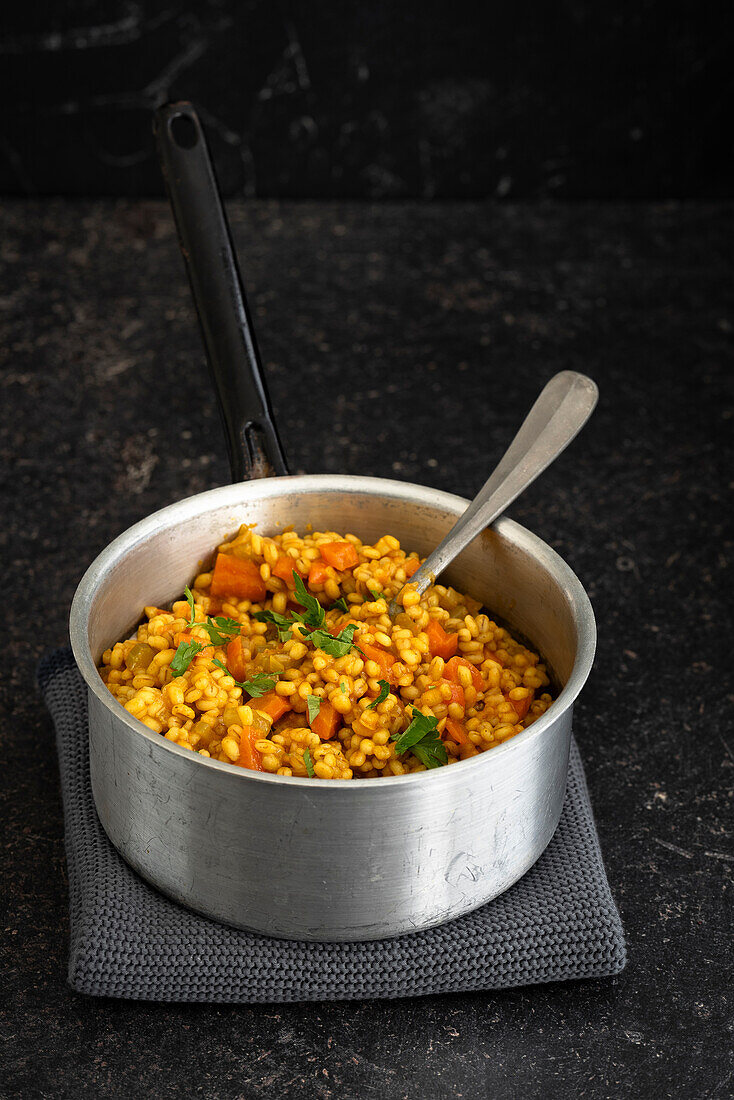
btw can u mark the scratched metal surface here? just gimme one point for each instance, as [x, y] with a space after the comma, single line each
[400, 341]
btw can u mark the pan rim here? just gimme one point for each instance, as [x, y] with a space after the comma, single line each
[409, 492]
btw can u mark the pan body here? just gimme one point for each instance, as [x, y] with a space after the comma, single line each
[330, 860]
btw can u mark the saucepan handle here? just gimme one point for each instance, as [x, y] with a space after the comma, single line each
[253, 443]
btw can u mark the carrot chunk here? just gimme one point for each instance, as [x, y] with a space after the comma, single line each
[318, 573]
[521, 706]
[237, 658]
[283, 568]
[271, 703]
[381, 657]
[237, 577]
[441, 644]
[412, 565]
[326, 722]
[249, 756]
[452, 672]
[342, 555]
[457, 693]
[456, 732]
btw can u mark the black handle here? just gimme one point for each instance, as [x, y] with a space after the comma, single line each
[254, 447]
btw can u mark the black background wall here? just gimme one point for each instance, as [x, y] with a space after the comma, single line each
[572, 99]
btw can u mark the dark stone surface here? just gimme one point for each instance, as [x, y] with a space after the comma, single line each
[400, 341]
[451, 99]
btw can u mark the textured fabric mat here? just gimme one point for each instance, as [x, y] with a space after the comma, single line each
[556, 923]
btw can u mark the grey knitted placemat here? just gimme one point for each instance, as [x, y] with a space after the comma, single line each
[127, 940]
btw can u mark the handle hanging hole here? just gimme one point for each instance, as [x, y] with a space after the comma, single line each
[183, 131]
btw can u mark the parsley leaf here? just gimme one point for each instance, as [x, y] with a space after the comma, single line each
[335, 647]
[257, 686]
[314, 614]
[422, 739]
[229, 626]
[282, 623]
[183, 657]
[341, 603]
[220, 629]
[312, 620]
[308, 762]
[376, 595]
[313, 706]
[431, 754]
[384, 692]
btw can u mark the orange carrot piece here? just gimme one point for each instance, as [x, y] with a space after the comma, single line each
[342, 555]
[456, 732]
[283, 568]
[457, 693]
[326, 722]
[249, 756]
[237, 658]
[441, 644]
[521, 706]
[270, 703]
[452, 672]
[412, 565]
[381, 657]
[237, 577]
[318, 573]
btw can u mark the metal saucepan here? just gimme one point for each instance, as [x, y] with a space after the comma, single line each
[301, 858]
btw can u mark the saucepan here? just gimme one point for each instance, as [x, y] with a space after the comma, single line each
[302, 858]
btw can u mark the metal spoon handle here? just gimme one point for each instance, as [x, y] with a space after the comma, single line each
[560, 412]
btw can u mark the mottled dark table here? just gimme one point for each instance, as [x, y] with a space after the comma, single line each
[401, 341]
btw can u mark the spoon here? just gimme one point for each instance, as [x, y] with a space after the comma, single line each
[558, 415]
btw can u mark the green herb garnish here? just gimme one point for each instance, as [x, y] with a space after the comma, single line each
[308, 762]
[183, 657]
[219, 629]
[313, 706]
[259, 685]
[423, 740]
[311, 621]
[341, 603]
[281, 622]
[432, 754]
[337, 646]
[384, 692]
[377, 595]
[314, 615]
